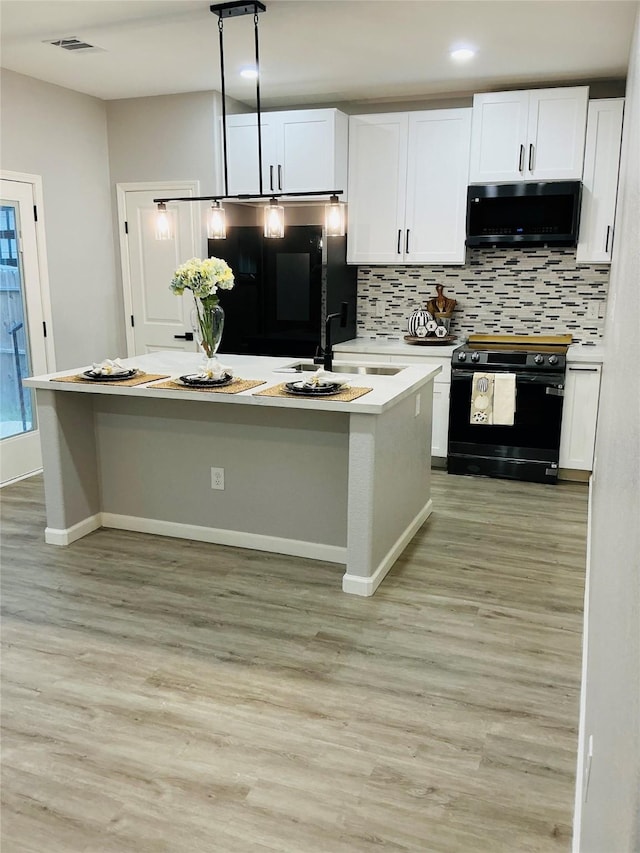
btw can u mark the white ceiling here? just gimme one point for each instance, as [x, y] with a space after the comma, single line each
[318, 51]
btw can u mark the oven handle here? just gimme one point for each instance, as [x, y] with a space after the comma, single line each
[553, 380]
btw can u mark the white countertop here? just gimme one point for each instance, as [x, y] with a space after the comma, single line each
[577, 353]
[586, 353]
[395, 346]
[386, 391]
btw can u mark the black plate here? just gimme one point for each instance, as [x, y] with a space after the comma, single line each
[313, 390]
[110, 377]
[194, 381]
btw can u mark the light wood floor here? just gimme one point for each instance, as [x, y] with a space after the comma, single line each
[164, 695]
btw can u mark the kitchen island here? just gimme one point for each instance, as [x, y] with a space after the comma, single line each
[346, 482]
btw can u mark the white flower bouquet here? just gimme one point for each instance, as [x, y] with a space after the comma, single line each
[204, 278]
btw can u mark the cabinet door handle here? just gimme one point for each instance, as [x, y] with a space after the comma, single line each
[406, 243]
[521, 159]
[399, 238]
[531, 158]
[584, 369]
[188, 336]
[606, 245]
[271, 177]
[279, 177]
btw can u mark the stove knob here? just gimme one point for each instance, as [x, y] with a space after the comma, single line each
[462, 356]
[475, 356]
[553, 359]
[538, 359]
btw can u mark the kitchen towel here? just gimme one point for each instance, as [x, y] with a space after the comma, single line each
[504, 398]
[493, 399]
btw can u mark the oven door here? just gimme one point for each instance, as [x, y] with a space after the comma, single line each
[527, 450]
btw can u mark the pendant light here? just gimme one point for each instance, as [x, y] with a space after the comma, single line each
[273, 212]
[217, 229]
[164, 231]
[335, 217]
[274, 219]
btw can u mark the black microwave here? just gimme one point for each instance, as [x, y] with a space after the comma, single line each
[531, 214]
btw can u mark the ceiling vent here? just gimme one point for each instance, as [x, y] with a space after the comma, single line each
[72, 43]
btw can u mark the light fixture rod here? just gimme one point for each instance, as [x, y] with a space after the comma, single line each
[230, 10]
[246, 197]
[224, 106]
[255, 31]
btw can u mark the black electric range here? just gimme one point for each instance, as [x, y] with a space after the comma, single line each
[524, 445]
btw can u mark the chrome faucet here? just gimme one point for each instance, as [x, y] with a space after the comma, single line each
[326, 358]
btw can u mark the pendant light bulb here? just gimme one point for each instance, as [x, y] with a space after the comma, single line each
[164, 231]
[217, 222]
[335, 217]
[274, 219]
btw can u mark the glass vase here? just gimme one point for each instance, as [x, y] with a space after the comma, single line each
[208, 327]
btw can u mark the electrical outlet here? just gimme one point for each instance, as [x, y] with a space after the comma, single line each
[592, 311]
[217, 478]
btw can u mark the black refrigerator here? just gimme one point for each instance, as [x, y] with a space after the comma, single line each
[284, 289]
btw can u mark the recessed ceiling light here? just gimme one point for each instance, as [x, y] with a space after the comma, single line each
[249, 73]
[462, 54]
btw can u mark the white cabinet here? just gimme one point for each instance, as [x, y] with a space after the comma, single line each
[580, 416]
[408, 176]
[302, 150]
[441, 387]
[531, 135]
[600, 180]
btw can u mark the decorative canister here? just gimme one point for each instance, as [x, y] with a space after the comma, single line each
[443, 319]
[420, 317]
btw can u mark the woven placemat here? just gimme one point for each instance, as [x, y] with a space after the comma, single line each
[345, 396]
[139, 379]
[234, 387]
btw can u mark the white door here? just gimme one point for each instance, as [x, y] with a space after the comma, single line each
[377, 188]
[438, 172]
[600, 180]
[498, 137]
[242, 154]
[156, 319]
[307, 158]
[22, 342]
[556, 133]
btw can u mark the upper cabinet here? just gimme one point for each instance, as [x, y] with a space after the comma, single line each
[600, 180]
[408, 176]
[535, 135]
[302, 151]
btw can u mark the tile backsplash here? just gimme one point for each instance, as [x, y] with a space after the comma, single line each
[507, 291]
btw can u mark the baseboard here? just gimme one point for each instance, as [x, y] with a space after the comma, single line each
[235, 538]
[574, 475]
[357, 585]
[67, 535]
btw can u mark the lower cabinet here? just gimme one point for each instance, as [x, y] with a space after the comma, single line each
[580, 416]
[441, 389]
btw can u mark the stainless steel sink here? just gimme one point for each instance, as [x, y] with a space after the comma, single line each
[370, 369]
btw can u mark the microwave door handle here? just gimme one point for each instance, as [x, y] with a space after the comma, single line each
[521, 159]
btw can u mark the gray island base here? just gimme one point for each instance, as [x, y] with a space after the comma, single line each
[344, 482]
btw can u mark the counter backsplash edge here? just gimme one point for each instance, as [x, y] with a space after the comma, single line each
[506, 291]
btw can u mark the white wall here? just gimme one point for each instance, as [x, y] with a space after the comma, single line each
[166, 138]
[61, 135]
[170, 138]
[609, 820]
